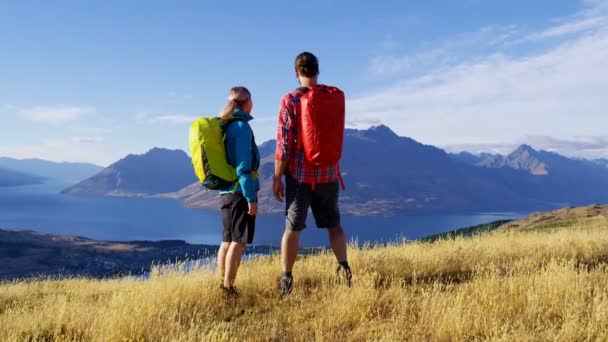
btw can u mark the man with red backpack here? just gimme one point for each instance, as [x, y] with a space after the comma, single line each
[309, 147]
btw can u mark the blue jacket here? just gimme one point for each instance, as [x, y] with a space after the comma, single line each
[242, 153]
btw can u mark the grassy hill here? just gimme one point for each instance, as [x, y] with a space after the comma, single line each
[518, 282]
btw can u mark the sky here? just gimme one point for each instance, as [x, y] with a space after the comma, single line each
[93, 81]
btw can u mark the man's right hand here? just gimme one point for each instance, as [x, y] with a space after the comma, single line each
[278, 189]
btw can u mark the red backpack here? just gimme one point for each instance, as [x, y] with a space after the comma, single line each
[322, 124]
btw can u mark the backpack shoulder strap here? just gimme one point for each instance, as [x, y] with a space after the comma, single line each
[225, 123]
[302, 90]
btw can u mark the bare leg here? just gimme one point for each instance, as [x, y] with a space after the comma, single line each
[289, 249]
[337, 239]
[221, 259]
[233, 260]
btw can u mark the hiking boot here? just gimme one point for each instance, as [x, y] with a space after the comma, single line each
[286, 285]
[230, 292]
[347, 274]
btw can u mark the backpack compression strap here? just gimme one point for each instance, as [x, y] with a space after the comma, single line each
[301, 91]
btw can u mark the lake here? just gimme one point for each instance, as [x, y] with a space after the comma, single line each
[42, 208]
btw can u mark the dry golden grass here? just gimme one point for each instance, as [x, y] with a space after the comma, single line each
[510, 286]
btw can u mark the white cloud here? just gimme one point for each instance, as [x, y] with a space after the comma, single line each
[363, 121]
[144, 118]
[57, 114]
[444, 53]
[487, 147]
[175, 97]
[88, 140]
[8, 108]
[569, 28]
[386, 65]
[497, 98]
[596, 6]
[586, 147]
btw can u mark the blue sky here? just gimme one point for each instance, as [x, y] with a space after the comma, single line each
[96, 80]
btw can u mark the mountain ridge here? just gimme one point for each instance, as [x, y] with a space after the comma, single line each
[15, 178]
[155, 172]
[386, 174]
[63, 171]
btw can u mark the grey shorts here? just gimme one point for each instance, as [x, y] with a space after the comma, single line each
[323, 201]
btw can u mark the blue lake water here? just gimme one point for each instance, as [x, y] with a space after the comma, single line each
[42, 208]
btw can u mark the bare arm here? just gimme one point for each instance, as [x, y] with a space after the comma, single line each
[279, 168]
[278, 188]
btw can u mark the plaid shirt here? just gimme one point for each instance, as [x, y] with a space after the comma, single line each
[288, 150]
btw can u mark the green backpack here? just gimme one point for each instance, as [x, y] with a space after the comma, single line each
[208, 153]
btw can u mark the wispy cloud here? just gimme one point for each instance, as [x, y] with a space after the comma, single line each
[143, 118]
[443, 53]
[389, 43]
[8, 108]
[556, 90]
[57, 114]
[587, 147]
[487, 147]
[387, 65]
[568, 28]
[175, 97]
[178, 95]
[88, 140]
[595, 7]
[578, 143]
[363, 121]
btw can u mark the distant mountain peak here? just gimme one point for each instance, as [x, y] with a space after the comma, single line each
[377, 133]
[526, 148]
[161, 149]
[157, 171]
[383, 129]
[155, 150]
[526, 158]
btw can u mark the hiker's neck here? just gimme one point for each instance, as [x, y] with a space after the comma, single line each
[308, 81]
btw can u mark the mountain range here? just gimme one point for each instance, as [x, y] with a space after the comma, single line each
[547, 176]
[16, 178]
[385, 174]
[156, 172]
[69, 173]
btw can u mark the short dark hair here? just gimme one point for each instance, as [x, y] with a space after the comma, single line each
[307, 64]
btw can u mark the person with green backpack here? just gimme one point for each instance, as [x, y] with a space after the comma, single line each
[226, 158]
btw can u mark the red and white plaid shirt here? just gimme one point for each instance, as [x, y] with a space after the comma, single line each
[287, 148]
